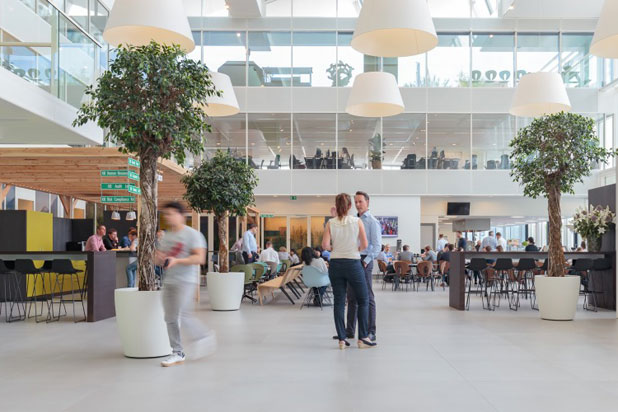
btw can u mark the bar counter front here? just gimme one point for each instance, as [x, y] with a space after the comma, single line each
[457, 276]
[105, 272]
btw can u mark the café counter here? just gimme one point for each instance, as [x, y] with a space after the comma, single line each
[606, 280]
[105, 272]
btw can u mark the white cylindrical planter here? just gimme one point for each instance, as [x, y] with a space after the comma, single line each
[557, 296]
[225, 290]
[139, 316]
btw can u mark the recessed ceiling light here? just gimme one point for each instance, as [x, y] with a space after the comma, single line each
[453, 144]
[238, 35]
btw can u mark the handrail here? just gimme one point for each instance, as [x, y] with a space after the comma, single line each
[77, 25]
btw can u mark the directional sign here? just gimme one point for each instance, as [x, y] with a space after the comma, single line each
[133, 162]
[114, 186]
[293, 198]
[117, 199]
[121, 186]
[114, 173]
[120, 173]
[265, 215]
[135, 190]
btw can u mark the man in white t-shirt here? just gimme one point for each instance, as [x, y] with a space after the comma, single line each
[501, 241]
[181, 251]
[442, 241]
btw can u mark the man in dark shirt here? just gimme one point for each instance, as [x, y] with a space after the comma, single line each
[531, 247]
[461, 242]
[111, 240]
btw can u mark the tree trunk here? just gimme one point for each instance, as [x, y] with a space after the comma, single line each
[556, 253]
[147, 221]
[222, 223]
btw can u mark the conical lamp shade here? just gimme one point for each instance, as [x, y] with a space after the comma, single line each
[394, 28]
[137, 22]
[115, 215]
[539, 94]
[226, 105]
[131, 215]
[375, 94]
[605, 40]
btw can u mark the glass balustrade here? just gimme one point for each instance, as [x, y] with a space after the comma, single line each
[51, 49]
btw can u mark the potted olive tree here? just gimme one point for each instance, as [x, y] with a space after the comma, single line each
[224, 186]
[375, 151]
[149, 104]
[549, 157]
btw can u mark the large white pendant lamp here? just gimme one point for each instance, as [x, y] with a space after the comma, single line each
[227, 104]
[605, 40]
[137, 22]
[539, 94]
[394, 28]
[375, 94]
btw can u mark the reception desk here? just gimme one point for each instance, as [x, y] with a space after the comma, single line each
[102, 277]
[605, 281]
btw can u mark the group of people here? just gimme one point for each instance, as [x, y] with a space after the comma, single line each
[104, 240]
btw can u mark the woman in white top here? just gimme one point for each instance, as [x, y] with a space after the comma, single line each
[345, 237]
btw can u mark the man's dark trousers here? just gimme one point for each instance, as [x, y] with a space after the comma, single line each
[351, 321]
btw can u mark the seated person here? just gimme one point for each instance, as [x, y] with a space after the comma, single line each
[406, 254]
[283, 253]
[384, 258]
[429, 255]
[270, 257]
[444, 258]
[489, 261]
[294, 257]
[309, 259]
[110, 241]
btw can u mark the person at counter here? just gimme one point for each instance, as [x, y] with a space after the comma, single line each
[490, 241]
[461, 242]
[132, 266]
[111, 240]
[95, 242]
[125, 242]
[501, 241]
[531, 247]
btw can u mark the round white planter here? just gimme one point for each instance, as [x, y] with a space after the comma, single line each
[139, 316]
[557, 297]
[225, 290]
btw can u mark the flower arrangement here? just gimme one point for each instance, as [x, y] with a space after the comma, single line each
[593, 223]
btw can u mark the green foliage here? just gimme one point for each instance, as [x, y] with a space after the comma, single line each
[555, 151]
[150, 101]
[221, 184]
[375, 148]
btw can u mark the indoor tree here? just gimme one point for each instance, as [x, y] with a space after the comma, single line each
[224, 186]
[549, 157]
[149, 104]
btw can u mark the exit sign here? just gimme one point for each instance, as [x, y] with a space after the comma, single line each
[293, 198]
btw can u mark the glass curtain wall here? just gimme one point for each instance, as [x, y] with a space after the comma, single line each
[493, 60]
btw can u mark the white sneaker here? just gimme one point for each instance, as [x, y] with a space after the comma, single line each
[203, 347]
[174, 359]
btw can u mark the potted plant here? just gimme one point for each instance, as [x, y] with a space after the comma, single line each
[375, 151]
[592, 224]
[224, 186]
[549, 157]
[149, 104]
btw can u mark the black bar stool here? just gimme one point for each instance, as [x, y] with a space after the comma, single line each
[26, 267]
[582, 267]
[63, 268]
[476, 265]
[504, 267]
[525, 278]
[12, 294]
[598, 265]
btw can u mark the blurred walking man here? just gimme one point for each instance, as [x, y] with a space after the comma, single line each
[181, 251]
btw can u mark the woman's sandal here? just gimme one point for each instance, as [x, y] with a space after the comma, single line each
[366, 344]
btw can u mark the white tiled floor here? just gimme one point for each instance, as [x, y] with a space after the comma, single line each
[278, 358]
